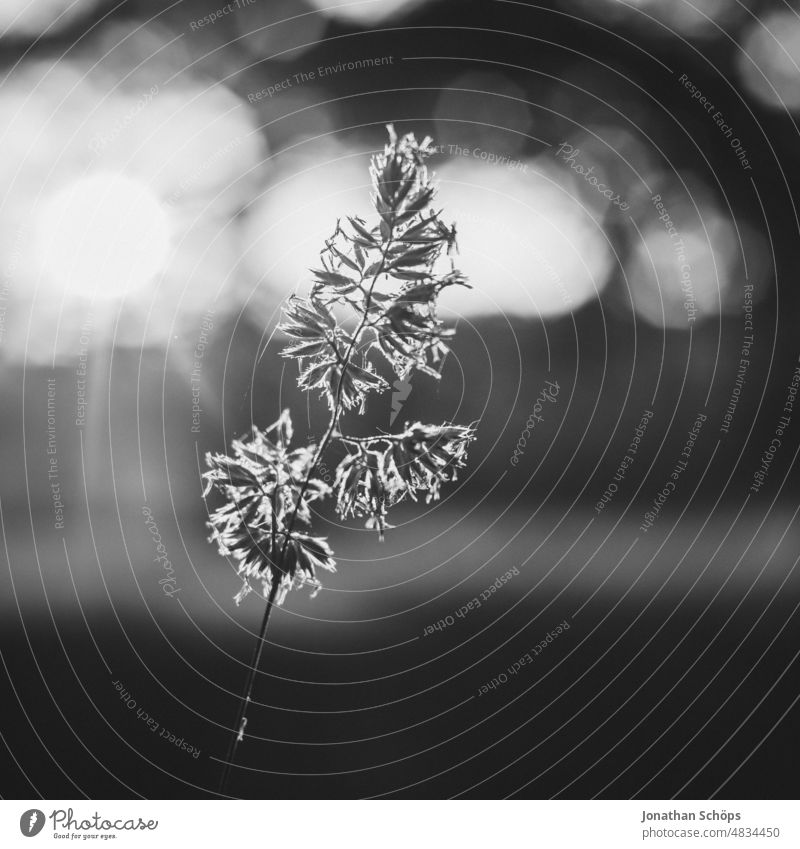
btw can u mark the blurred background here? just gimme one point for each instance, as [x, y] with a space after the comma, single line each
[623, 176]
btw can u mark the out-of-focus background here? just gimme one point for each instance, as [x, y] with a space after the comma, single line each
[623, 176]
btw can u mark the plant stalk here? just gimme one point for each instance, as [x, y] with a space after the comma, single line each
[241, 719]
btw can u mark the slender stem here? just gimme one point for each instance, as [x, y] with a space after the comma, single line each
[241, 720]
[241, 717]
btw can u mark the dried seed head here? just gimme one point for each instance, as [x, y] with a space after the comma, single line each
[266, 485]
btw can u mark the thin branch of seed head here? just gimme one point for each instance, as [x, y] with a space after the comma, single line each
[337, 406]
[367, 440]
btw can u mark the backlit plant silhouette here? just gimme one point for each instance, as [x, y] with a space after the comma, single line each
[371, 310]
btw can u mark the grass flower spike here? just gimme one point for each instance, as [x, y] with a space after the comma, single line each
[370, 318]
